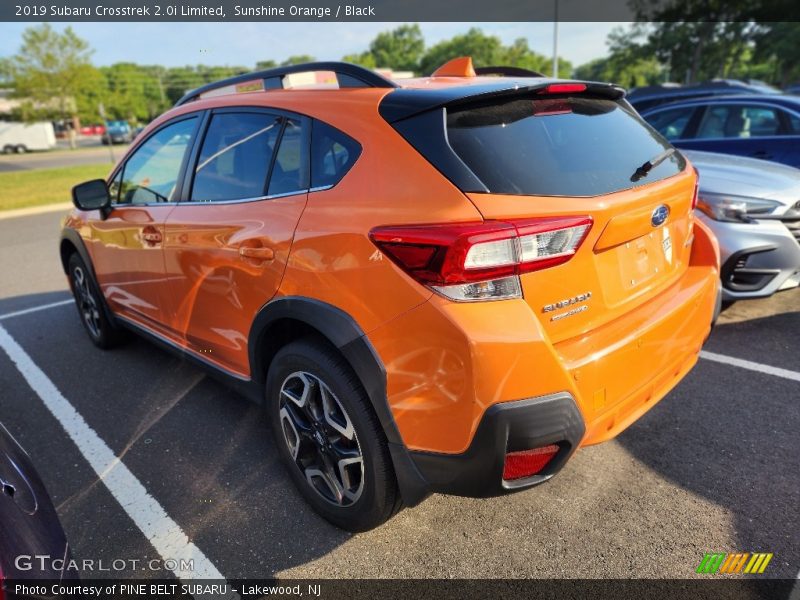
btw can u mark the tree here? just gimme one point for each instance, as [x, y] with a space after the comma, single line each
[365, 59]
[297, 60]
[399, 49]
[777, 45]
[263, 65]
[52, 71]
[488, 50]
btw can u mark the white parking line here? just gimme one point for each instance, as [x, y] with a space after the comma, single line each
[34, 309]
[750, 365]
[162, 532]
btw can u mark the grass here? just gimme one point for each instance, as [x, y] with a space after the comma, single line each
[37, 187]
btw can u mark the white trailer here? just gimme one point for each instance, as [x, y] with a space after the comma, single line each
[25, 137]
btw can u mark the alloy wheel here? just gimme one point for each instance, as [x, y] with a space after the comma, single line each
[321, 438]
[87, 304]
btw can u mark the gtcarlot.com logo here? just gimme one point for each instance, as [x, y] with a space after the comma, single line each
[44, 562]
[739, 562]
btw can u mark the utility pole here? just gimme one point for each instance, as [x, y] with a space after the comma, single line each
[555, 39]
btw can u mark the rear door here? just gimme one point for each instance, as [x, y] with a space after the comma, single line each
[127, 245]
[227, 243]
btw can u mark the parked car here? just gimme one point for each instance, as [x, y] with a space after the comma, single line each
[117, 132]
[19, 138]
[766, 127]
[93, 130]
[30, 525]
[434, 285]
[648, 97]
[793, 89]
[753, 208]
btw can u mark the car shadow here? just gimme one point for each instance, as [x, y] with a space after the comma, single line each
[730, 436]
[202, 451]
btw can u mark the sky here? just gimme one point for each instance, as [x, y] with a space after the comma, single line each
[178, 44]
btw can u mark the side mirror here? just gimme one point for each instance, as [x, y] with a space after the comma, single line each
[91, 195]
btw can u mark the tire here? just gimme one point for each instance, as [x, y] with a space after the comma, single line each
[20, 149]
[8, 149]
[91, 305]
[338, 458]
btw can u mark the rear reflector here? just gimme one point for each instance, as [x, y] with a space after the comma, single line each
[528, 462]
[564, 88]
[492, 253]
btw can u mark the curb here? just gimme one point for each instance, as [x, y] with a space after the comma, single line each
[34, 210]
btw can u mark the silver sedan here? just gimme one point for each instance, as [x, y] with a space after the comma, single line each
[753, 207]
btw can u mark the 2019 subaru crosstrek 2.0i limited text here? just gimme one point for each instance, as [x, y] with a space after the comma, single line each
[447, 285]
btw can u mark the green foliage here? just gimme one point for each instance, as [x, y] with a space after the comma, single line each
[488, 50]
[399, 49]
[51, 71]
[297, 60]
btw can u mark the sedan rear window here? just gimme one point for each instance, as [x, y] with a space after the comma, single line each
[558, 146]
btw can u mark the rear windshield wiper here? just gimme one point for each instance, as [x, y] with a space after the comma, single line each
[651, 164]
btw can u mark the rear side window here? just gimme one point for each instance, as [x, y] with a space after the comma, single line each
[558, 146]
[235, 158]
[738, 121]
[332, 155]
[290, 169]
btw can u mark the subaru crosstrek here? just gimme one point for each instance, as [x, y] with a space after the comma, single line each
[445, 285]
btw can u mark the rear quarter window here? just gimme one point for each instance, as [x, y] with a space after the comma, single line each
[333, 153]
[558, 146]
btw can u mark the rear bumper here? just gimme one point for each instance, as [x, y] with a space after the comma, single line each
[505, 427]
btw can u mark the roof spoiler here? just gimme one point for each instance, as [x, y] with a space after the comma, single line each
[407, 102]
[347, 75]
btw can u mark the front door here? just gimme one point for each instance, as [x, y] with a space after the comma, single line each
[127, 246]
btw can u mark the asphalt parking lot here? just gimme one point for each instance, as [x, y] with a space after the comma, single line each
[714, 467]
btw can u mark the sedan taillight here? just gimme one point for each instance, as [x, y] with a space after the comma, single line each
[481, 261]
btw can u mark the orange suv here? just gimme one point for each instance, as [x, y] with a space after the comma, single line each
[445, 284]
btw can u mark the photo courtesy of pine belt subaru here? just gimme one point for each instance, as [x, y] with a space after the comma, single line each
[445, 284]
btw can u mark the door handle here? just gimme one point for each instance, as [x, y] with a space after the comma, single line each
[151, 235]
[260, 253]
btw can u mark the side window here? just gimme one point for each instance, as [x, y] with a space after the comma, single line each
[740, 121]
[114, 187]
[151, 173]
[758, 121]
[672, 123]
[713, 123]
[794, 123]
[290, 170]
[235, 158]
[332, 155]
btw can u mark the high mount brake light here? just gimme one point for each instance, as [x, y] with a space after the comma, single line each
[481, 261]
[563, 88]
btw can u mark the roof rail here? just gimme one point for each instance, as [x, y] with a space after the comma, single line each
[347, 74]
[507, 72]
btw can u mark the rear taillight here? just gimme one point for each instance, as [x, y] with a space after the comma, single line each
[481, 261]
[528, 462]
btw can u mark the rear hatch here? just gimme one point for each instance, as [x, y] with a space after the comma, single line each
[567, 150]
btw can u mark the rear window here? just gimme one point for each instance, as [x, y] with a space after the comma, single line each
[558, 146]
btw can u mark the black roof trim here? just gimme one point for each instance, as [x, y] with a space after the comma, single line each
[347, 74]
[406, 102]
